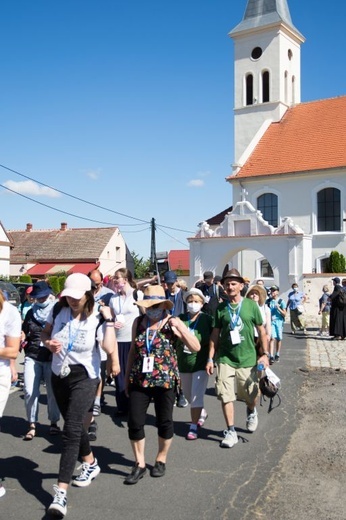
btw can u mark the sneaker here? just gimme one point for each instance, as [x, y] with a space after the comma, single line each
[182, 402]
[271, 360]
[58, 507]
[277, 358]
[96, 410]
[92, 431]
[88, 473]
[192, 435]
[230, 438]
[202, 418]
[252, 421]
[2, 490]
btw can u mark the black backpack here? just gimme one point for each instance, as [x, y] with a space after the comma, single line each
[341, 298]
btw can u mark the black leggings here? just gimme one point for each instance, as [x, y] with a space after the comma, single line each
[139, 401]
[74, 395]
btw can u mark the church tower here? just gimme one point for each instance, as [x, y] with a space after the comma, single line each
[266, 71]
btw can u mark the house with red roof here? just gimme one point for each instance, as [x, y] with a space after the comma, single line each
[45, 252]
[288, 178]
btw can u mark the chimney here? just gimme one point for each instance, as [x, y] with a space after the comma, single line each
[28, 227]
[63, 226]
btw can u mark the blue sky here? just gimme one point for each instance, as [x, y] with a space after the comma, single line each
[129, 105]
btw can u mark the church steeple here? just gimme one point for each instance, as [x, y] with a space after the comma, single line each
[260, 13]
[266, 70]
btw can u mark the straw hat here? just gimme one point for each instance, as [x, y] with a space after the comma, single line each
[261, 291]
[154, 294]
[195, 291]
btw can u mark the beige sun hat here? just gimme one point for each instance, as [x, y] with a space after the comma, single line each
[261, 291]
[154, 294]
[195, 291]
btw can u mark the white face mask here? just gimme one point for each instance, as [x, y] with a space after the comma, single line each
[194, 307]
[42, 305]
[154, 314]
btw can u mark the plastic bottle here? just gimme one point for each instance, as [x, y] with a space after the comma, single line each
[260, 370]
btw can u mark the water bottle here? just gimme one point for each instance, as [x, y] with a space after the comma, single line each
[260, 370]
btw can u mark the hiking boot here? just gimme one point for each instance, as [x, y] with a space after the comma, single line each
[88, 473]
[230, 438]
[252, 421]
[58, 507]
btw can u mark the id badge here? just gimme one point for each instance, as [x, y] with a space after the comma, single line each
[235, 337]
[148, 364]
[120, 318]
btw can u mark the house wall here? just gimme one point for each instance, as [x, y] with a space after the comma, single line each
[115, 255]
[301, 205]
[4, 254]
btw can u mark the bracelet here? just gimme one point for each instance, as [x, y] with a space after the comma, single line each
[210, 360]
[109, 320]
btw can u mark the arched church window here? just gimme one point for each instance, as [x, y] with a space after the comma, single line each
[249, 89]
[267, 204]
[265, 87]
[329, 210]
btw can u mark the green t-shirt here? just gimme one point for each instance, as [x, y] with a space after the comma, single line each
[194, 361]
[241, 355]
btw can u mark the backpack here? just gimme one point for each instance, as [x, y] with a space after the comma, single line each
[341, 298]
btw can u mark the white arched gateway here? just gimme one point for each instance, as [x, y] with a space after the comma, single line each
[246, 241]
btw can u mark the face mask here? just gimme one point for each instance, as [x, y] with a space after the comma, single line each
[194, 307]
[43, 304]
[154, 314]
[119, 286]
[295, 289]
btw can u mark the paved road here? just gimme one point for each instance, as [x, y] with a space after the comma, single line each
[202, 480]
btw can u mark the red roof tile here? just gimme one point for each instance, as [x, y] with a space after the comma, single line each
[310, 136]
[179, 259]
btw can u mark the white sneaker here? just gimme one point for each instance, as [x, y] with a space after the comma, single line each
[230, 438]
[58, 507]
[252, 421]
[88, 473]
[2, 490]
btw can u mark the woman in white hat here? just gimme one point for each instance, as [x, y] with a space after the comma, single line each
[73, 336]
[192, 364]
[152, 373]
[258, 294]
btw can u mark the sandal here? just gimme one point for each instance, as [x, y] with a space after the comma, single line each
[54, 429]
[31, 433]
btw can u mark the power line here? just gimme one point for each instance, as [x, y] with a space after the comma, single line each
[81, 200]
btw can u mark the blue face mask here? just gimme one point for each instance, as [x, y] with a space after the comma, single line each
[154, 314]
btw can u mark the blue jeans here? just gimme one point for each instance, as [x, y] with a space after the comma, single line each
[34, 372]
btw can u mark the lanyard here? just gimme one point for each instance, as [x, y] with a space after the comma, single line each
[234, 315]
[194, 323]
[149, 342]
[72, 335]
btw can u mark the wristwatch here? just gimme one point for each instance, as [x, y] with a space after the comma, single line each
[109, 320]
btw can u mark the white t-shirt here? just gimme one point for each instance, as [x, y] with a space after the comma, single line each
[124, 304]
[82, 336]
[10, 325]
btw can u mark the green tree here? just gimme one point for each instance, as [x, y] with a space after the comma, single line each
[142, 267]
[25, 278]
[336, 263]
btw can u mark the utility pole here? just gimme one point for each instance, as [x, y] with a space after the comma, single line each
[153, 260]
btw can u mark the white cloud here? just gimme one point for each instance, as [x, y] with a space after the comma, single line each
[196, 183]
[93, 174]
[31, 188]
